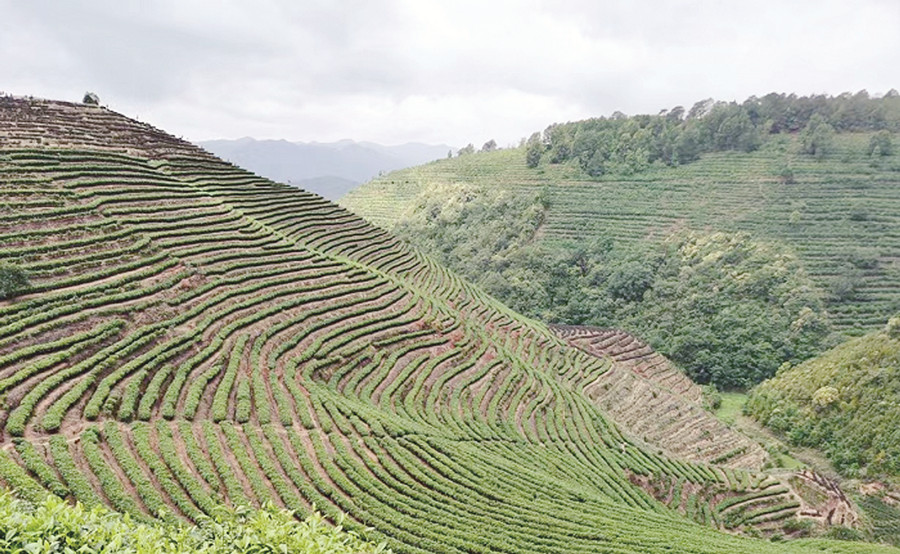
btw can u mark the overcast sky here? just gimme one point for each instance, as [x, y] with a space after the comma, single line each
[449, 71]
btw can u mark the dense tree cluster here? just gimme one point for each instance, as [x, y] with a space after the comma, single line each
[843, 402]
[727, 309]
[623, 145]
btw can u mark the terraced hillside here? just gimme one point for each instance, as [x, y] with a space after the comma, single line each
[194, 337]
[841, 213]
[651, 398]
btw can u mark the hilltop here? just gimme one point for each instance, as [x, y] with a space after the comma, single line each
[616, 245]
[179, 335]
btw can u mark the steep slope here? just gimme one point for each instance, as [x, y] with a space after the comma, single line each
[838, 212]
[651, 398]
[195, 336]
[844, 402]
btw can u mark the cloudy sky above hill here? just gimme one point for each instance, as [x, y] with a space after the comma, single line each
[455, 71]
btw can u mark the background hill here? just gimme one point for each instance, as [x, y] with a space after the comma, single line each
[727, 215]
[328, 169]
[189, 336]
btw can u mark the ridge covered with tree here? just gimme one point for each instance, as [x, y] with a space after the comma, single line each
[798, 194]
[620, 144]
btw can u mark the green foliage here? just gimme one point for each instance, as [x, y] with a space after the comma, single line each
[825, 397]
[841, 210]
[893, 327]
[846, 283]
[841, 533]
[817, 138]
[883, 518]
[786, 174]
[863, 257]
[712, 398]
[372, 381]
[52, 525]
[843, 402]
[729, 310]
[625, 145]
[13, 281]
[881, 144]
[444, 217]
[534, 149]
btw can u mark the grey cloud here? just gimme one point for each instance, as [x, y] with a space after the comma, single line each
[402, 70]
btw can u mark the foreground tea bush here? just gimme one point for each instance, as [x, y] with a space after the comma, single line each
[55, 526]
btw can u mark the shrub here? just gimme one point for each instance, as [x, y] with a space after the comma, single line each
[881, 144]
[786, 173]
[859, 213]
[712, 398]
[845, 284]
[893, 327]
[825, 397]
[52, 525]
[798, 526]
[863, 257]
[13, 281]
[841, 533]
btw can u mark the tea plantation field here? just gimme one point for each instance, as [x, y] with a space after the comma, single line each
[839, 213]
[190, 336]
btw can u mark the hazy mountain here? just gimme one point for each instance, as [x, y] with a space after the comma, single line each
[329, 169]
[329, 186]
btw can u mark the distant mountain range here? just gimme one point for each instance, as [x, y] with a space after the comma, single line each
[329, 169]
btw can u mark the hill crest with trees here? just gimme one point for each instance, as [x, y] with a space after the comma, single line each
[813, 180]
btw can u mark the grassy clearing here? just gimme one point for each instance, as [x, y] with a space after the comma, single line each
[731, 406]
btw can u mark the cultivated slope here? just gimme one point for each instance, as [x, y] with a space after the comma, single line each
[652, 399]
[841, 214]
[195, 336]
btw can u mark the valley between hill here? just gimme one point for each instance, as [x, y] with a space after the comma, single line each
[192, 337]
[618, 250]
